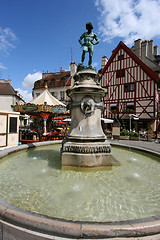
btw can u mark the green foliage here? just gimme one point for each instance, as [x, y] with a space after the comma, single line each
[124, 133]
[134, 134]
[128, 110]
[113, 110]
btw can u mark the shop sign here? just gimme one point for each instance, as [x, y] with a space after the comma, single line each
[30, 108]
[58, 109]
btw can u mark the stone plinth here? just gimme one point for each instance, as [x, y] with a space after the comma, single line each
[85, 144]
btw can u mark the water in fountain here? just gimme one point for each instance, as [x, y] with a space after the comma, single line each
[33, 180]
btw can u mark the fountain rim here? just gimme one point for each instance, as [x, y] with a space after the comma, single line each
[52, 226]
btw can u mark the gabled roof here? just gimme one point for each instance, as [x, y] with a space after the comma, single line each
[6, 89]
[145, 68]
[45, 96]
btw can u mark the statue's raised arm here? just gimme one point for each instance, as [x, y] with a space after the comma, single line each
[89, 39]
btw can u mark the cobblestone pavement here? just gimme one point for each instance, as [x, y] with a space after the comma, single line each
[143, 144]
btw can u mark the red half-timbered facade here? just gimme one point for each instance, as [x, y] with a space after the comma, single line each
[132, 88]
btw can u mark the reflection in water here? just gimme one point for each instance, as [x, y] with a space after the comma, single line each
[133, 159]
[33, 180]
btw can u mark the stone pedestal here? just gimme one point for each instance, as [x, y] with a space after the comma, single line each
[85, 144]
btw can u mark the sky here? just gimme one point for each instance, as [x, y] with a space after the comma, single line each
[42, 35]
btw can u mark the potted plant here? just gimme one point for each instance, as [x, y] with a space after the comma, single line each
[134, 136]
[128, 110]
[124, 135]
[113, 110]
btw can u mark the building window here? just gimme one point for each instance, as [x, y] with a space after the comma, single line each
[62, 82]
[126, 87]
[129, 87]
[130, 107]
[37, 94]
[113, 107]
[132, 86]
[52, 82]
[62, 95]
[37, 84]
[120, 73]
[120, 57]
[42, 84]
[13, 125]
[54, 94]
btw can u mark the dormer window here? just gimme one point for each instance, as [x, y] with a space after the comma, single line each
[62, 82]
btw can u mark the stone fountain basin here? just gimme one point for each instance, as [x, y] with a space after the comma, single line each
[22, 224]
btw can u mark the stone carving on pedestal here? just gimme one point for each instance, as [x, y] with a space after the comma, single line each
[87, 106]
[85, 144]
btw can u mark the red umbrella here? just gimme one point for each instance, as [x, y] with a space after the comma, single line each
[61, 122]
[58, 118]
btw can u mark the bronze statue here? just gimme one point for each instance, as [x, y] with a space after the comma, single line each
[89, 38]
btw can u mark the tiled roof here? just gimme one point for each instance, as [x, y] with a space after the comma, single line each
[54, 80]
[57, 75]
[6, 89]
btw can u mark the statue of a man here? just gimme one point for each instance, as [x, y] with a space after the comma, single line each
[89, 38]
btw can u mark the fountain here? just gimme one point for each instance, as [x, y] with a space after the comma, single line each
[86, 144]
[107, 195]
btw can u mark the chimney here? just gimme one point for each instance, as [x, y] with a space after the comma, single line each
[137, 48]
[104, 61]
[9, 81]
[144, 49]
[150, 50]
[156, 50]
[73, 68]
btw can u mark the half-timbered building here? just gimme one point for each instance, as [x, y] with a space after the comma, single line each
[132, 89]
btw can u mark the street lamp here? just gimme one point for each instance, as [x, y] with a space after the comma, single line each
[135, 117]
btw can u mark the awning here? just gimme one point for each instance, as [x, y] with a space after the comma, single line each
[107, 120]
[113, 105]
[103, 119]
[67, 120]
[130, 104]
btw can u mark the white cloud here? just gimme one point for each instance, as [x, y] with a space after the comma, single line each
[2, 66]
[7, 40]
[95, 64]
[29, 80]
[27, 96]
[129, 19]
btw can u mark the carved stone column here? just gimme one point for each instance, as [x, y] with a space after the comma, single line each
[85, 144]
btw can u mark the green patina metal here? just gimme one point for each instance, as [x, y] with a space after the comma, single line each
[90, 39]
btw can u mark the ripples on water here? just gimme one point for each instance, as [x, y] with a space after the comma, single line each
[33, 180]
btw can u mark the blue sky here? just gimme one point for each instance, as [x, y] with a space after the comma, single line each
[37, 35]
